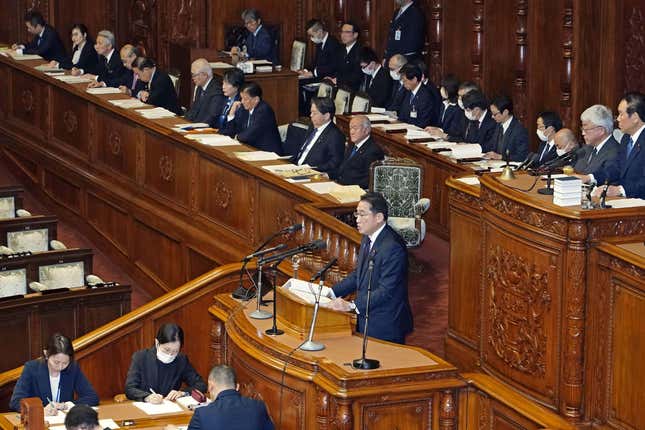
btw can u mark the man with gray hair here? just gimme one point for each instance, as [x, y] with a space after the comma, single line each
[229, 409]
[260, 44]
[208, 99]
[110, 67]
[598, 159]
[355, 167]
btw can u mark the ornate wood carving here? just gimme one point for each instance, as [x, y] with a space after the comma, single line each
[114, 142]
[567, 64]
[519, 298]
[222, 195]
[484, 419]
[166, 168]
[343, 419]
[27, 98]
[465, 198]
[635, 51]
[142, 19]
[217, 344]
[519, 84]
[612, 228]
[478, 40]
[447, 411]
[322, 408]
[71, 121]
[436, 38]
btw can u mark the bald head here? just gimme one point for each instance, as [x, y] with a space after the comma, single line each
[128, 54]
[565, 140]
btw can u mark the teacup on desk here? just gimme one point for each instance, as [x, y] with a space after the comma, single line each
[567, 170]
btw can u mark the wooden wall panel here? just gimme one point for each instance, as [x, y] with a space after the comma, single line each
[62, 190]
[70, 123]
[110, 220]
[167, 168]
[152, 249]
[116, 144]
[29, 104]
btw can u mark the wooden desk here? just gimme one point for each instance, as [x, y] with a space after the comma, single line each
[519, 281]
[412, 388]
[279, 87]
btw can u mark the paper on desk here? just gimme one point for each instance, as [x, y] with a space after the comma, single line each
[342, 193]
[417, 134]
[220, 65]
[556, 176]
[378, 117]
[128, 103]
[307, 291]
[375, 109]
[257, 156]
[103, 90]
[24, 57]
[70, 79]
[467, 150]
[626, 203]
[59, 418]
[262, 62]
[469, 180]
[155, 113]
[192, 125]
[290, 170]
[437, 145]
[167, 407]
[218, 140]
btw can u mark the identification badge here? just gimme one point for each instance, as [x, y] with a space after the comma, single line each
[397, 34]
[413, 114]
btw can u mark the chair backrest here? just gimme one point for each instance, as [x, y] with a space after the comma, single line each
[282, 130]
[400, 181]
[298, 51]
[295, 137]
[175, 77]
[360, 104]
[325, 90]
[341, 101]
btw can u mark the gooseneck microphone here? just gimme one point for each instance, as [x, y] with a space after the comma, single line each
[367, 363]
[321, 273]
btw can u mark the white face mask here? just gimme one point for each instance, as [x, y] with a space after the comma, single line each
[316, 40]
[367, 71]
[165, 358]
[469, 115]
[560, 152]
[541, 135]
[460, 103]
[395, 75]
[444, 93]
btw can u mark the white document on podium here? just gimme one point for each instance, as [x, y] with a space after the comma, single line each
[307, 291]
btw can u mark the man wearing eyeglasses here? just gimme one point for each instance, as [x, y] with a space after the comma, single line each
[390, 316]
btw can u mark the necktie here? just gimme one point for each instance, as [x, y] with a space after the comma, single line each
[354, 151]
[304, 146]
[135, 78]
[366, 253]
[38, 41]
[467, 130]
[544, 151]
[198, 94]
[500, 140]
[592, 155]
[630, 147]
[443, 112]
[412, 96]
[248, 122]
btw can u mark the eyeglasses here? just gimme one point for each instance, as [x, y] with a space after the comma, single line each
[586, 130]
[358, 214]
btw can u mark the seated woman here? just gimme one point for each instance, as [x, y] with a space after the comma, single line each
[84, 57]
[55, 378]
[159, 372]
[231, 84]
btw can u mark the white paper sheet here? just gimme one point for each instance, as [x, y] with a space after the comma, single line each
[626, 203]
[220, 65]
[257, 156]
[73, 79]
[25, 57]
[128, 103]
[167, 407]
[155, 113]
[103, 90]
[469, 180]
[471, 150]
[218, 140]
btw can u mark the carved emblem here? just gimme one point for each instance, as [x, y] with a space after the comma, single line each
[71, 121]
[114, 141]
[27, 98]
[285, 217]
[222, 195]
[166, 168]
[635, 50]
[249, 389]
[519, 298]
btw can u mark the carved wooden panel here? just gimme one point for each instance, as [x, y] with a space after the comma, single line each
[70, 125]
[167, 169]
[152, 251]
[52, 320]
[634, 63]
[4, 100]
[29, 104]
[274, 210]
[225, 196]
[62, 190]
[116, 142]
[110, 220]
[407, 414]
[15, 325]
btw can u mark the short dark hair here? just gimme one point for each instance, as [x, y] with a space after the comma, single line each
[451, 84]
[234, 77]
[253, 14]
[503, 102]
[315, 22]
[367, 55]
[325, 105]
[223, 375]
[59, 344]
[422, 66]
[635, 103]
[411, 71]
[355, 27]
[170, 332]
[34, 18]
[81, 27]
[143, 63]
[81, 417]
[468, 86]
[551, 119]
[474, 99]
[377, 202]
[252, 89]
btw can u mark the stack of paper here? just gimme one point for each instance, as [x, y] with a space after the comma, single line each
[440, 145]
[378, 117]
[155, 113]
[412, 134]
[257, 156]
[469, 180]
[567, 191]
[220, 65]
[308, 291]
[25, 57]
[468, 150]
[73, 79]
[48, 68]
[103, 90]
[212, 139]
[167, 407]
[626, 203]
[342, 193]
[128, 103]
[399, 126]
[291, 170]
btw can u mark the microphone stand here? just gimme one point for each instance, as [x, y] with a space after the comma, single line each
[547, 191]
[274, 330]
[603, 197]
[367, 363]
[310, 345]
[260, 314]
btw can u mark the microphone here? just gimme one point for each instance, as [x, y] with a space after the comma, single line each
[530, 159]
[264, 251]
[603, 196]
[311, 246]
[561, 160]
[321, 273]
[364, 363]
[292, 228]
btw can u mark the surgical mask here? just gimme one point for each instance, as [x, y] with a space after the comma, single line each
[560, 152]
[470, 115]
[165, 358]
[460, 103]
[444, 93]
[395, 75]
[316, 40]
[366, 70]
[541, 135]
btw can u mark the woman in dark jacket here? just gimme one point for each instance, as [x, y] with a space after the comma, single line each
[84, 58]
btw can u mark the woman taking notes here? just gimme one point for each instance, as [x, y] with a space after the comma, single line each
[55, 378]
[159, 372]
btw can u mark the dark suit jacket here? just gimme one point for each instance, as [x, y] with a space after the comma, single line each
[452, 119]
[143, 375]
[220, 121]
[232, 411]
[475, 133]
[327, 58]
[550, 155]
[262, 46]
[34, 382]
[127, 80]
[349, 73]
[209, 105]
[162, 92]
[515, 140]
[50, 46]
[113, 72]
[327, 152]
[413, 33]
[423, 103]
[632, 170]
[355, 169]
[261, 132]
[380, 88]
[390, 314]
[88, 60]
[604, 166]
[396, 97]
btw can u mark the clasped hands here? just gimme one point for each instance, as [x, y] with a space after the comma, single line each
[157, 399]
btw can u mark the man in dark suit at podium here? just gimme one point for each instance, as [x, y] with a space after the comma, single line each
[355, 168]
[46, 41]
[390, 316]
[407, 31]
[259, 42]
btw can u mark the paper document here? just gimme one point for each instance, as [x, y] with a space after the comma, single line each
[155, 113]
[167, 407]
[626, 203]
[378, 117]
[467, 150]
[262, 62]
[342, 193]
[291, 170]
[257, 156]
[418, 134]
[217, 140]
[307, 291]
[59, 418]
[469, 180]
[25, 57]
[220, 65]
[128, 103]
[103, 90]
[375, 109]
[73, 79]
[555, 176]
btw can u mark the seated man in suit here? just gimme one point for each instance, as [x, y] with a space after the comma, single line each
[548, 124]
[82, 417]
[565, 142]
[376, 80]
[598, 159]
[131, 84]
[390, 314]
[110, 71]
[631, 155]
[208, 100]
[510, 139]
[46, 41]
[456, 123]
[355, 168]
[395, 64]
[480, 126]
[229, 409]
[159, 90]
[328, 51]
[252, 121]
[407, 31]
[259, 42]
[325, 143]
[349, 75]
[417, 106]
[435, 117]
